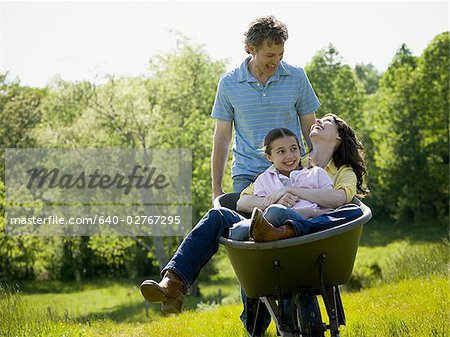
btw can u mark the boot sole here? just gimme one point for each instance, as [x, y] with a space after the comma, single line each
[152, 292]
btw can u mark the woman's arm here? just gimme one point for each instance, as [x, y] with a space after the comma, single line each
[328, 198]
[247, 202]
[343, 192]
[284, 196]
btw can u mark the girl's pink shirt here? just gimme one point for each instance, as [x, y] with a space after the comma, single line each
[270, 181]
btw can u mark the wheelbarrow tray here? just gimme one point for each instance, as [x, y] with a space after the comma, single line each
[285, 266]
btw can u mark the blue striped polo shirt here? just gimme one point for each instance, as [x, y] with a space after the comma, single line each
[255, 109]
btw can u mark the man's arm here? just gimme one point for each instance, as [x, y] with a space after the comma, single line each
[306, 121]
[221, 147]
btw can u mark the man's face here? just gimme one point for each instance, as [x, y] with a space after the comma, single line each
[267, 58]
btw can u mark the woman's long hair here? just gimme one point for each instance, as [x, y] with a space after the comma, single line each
[350, 152]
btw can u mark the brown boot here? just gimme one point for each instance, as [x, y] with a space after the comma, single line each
[262, 230]
[170, 292]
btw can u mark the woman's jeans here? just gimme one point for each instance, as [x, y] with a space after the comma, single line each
[201, 244]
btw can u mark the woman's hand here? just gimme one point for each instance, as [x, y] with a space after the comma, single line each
[288, 200]
[313, 212]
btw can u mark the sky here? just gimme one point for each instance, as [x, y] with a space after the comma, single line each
[87, 40]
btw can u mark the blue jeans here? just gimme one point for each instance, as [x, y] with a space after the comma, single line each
[242, 181]
[339, 216]
[201, 244]
[278, 214]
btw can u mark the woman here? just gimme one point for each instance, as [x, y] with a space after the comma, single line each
[282, 149]
[332, 138]
[337, 149]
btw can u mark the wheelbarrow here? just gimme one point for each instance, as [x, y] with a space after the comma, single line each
[300, 268]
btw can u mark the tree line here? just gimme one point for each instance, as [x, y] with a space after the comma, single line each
[401, 115]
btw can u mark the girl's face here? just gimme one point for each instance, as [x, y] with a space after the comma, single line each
[326, 128]
[285, 154]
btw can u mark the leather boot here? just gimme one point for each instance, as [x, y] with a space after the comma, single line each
[169, 292]
[262, 230]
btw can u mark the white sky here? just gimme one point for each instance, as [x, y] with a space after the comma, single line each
[85, 40]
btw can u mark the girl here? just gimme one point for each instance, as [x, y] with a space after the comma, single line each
[336, 148]
[282, 148]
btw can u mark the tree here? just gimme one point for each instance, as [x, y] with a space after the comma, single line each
[168, 108]
[369, 76]
[337, 86]
[19, 114]
[433, 84]
[412, 136]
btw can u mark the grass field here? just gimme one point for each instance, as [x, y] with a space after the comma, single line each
[399, 288]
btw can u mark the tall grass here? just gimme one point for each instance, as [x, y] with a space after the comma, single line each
[417, 261]
[400, 260]
[414, 307]
[19, 318]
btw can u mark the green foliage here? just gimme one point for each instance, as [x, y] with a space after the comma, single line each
[402, 118]
[184, 84]
[169, 107]
[19, 114]
[369, 76]
[411, 140]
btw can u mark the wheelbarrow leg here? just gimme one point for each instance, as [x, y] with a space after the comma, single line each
[333, 303]
[283, 328]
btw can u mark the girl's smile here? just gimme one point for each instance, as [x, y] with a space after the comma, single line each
[285, 154]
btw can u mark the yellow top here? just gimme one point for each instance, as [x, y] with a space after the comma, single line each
[343, 179]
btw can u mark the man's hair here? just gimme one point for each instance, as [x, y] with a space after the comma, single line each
[265, 28]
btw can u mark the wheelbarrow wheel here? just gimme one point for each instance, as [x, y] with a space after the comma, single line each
[309, 317]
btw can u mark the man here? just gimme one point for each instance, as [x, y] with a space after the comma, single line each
[263, 93]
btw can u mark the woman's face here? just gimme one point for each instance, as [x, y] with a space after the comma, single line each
[325, 128]
[285, 154]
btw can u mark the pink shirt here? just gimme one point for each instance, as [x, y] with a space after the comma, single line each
[271, 180]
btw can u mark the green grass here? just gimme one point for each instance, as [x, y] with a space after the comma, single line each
[416, 307]
[399, 288]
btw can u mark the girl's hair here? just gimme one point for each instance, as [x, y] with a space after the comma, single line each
[350, 152]
[275, 134]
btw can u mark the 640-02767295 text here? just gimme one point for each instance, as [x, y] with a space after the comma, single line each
[98, 220]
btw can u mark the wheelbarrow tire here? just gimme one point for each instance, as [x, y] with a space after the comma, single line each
[309, 317]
